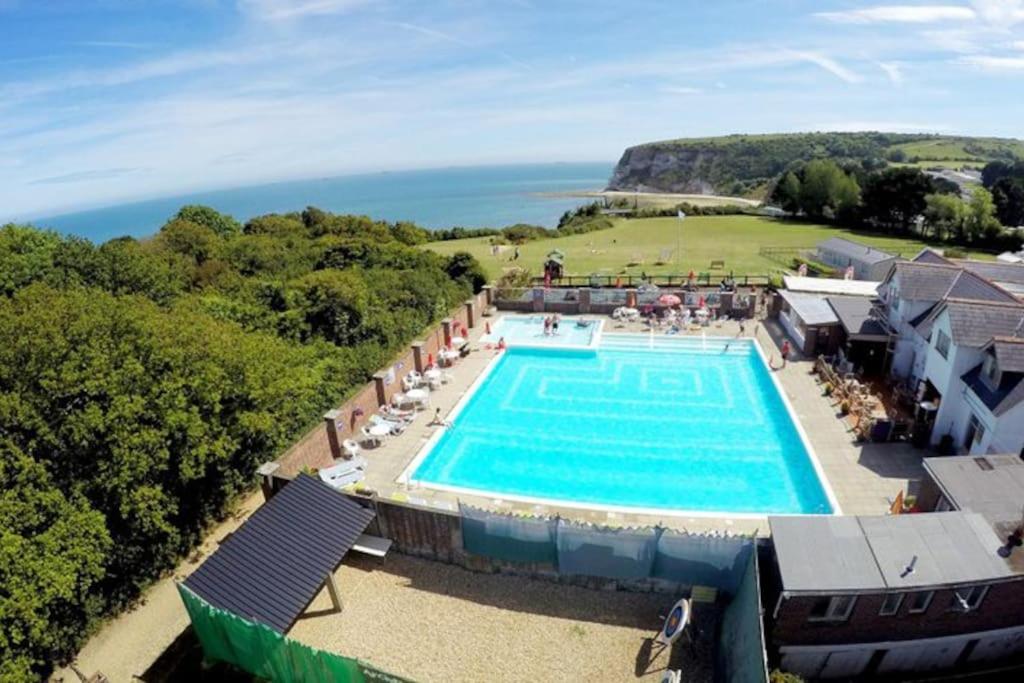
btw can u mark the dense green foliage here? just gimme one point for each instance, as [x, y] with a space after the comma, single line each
[745, 164]
[1006, 182]
[141, 383]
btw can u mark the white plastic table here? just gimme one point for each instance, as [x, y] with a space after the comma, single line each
[379, 430]
[432, 373]
[417, 394]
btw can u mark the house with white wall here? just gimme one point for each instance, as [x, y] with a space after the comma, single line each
[972, 369]
[911, 291]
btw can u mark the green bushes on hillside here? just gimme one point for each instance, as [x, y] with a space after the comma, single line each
[142, 382]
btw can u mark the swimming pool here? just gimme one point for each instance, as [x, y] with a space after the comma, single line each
[661, 424]
[528, 330]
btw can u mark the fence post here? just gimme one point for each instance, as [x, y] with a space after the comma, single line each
[538, 300]
[583, 299]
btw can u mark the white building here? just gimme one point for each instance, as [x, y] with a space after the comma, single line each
[911, 291]
[868, 263]
[973, 369]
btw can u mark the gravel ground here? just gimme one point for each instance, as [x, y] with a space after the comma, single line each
[435, 622]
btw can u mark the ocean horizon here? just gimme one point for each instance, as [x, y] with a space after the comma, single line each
[471, 197]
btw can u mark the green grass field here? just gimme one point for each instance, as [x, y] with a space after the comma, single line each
[733, 239]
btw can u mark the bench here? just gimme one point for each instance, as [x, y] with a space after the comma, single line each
[372, 545]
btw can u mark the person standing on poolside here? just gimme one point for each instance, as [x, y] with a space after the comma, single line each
[743, 327]
[554, 324]
[785, 352]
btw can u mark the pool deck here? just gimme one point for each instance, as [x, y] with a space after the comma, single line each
[863, 477]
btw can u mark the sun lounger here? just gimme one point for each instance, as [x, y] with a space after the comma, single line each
[343, 474]
[395, 426]
[372, 545]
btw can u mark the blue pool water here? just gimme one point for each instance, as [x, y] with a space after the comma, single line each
[528, 330]
[680, 426]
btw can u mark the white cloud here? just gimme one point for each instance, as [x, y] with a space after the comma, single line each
[680, 90]
[893, 70]
[993, 63]
[903, 14]
[284, 10]
[1001, 13]
[828, 64]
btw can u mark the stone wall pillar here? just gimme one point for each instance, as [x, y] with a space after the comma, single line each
[488, 292]
[725, 304]
[331, 418]
[446, 328]
[418, 357]
[266, 472]
[470, 314]
[583, 299]
[538, 300]
[631, 298]
[382, 390]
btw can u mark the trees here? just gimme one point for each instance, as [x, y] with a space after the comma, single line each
[980, 222]
[895, 197]
[787, 193]
[1008, 195]
[141, 382]
[222, 225]
[945, 214]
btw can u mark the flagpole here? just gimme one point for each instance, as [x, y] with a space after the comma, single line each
[679, 240]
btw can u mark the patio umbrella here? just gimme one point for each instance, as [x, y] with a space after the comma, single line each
[669, 300]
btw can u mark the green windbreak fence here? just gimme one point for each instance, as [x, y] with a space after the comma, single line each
[265, 653]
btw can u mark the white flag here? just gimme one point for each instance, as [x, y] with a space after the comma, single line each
[681, 214]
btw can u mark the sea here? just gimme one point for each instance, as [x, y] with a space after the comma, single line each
[472, 197]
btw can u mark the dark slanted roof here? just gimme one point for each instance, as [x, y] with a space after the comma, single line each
[1009, 353]
[1009, 393]
[975, 323]
[996, 271]
[855, 251]
[854, 313]
[927, 255]
[924, 281]
[274, 565]
[972, 286]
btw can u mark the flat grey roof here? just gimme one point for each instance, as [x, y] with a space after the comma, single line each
[813, 309]
[272, 567]
[942, 547]
[855, 250]
[821, 554]
[991, 485]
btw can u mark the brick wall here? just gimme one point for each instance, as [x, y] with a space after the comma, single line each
[1002, 607]
[313, 450]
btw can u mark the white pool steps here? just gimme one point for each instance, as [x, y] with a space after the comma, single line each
[681, 343]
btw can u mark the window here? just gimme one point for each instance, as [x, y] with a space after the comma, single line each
[942, 344]
[989, 366]
[976, 428]
[837, 608]
[919, 601]
[891, 604]
[967, 599]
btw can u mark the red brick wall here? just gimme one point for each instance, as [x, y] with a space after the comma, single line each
[1002, 607]
[313, 449]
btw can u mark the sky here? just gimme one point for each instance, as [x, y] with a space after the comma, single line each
[103, 101]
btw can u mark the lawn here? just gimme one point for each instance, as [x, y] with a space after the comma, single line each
[647, 241]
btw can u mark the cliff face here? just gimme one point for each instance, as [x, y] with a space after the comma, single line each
[657, 168]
